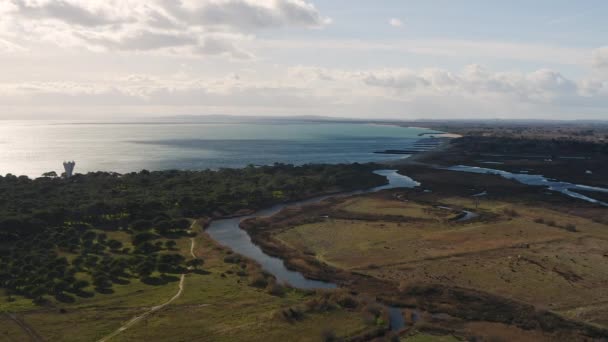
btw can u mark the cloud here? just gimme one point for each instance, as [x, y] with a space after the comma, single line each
[10, 47]
[474, 91]
[402, 79]
[394, 22]
[246, 15]
[62, 10]
[540, 86]
[600, 58]
[445, 48]
[211, 27]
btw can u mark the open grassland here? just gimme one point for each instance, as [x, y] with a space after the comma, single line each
[221, 306]
[550, 257]
[388, 206]
[217, 304]
[10, 330]
[424, 337]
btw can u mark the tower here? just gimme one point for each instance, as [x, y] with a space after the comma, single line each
[69, 168]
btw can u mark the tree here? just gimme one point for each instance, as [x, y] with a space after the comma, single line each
[50, 174]
[145, 269]
[102, 282]
[143, 237]
[165, 268]
[145, 248]
[114, 245]
[170, 244]
[195, 263]
[141, 225]
[78, 285]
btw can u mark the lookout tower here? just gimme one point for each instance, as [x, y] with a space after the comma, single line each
[69, 168]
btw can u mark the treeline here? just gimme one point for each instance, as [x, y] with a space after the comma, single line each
[521, 145]
[53, 237]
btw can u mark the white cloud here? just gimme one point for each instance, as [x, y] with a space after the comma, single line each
[210, 27]
[9, 47]
[394, 22]
[136, 54]
[474, 91]
[544, 85]
[447, 48]
[600, 58]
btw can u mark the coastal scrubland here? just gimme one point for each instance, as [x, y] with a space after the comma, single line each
[221, 301]
[82, 256]
[573, 152]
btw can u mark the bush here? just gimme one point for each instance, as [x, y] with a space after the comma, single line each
[232, 259]
[347, 301]
[258, 281]
[539, 220]
[275, 289]
[570, 227]
[291, 314]
[328, 335]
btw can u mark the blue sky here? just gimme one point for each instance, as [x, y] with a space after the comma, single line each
[576, 23]
[352, 58]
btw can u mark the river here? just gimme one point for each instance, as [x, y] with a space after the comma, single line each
[229, 234]
[566, 188]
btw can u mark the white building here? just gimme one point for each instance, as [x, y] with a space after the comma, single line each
[69, 168]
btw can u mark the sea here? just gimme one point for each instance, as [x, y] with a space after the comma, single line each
[33, 147]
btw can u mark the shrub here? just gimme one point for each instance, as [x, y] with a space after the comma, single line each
[539, 220]
[291, 314]
[570, 227]
[275, 289]
[373, 309]
[511, 212]
[258, 281]
[232, 259]
[328, 335]
[347, 301]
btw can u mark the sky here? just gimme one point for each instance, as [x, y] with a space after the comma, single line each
[376, 59]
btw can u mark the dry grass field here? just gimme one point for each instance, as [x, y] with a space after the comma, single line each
[542, 256]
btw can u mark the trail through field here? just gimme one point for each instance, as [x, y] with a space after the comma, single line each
[28, 329]
[152, 310]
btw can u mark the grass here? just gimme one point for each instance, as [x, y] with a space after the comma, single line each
[216, 305]
[423, 337]
[89, 319]
[11, 331]
[220, 306]
[515, 256]
[380, 206]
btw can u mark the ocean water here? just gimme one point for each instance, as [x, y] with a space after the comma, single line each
[34, 147]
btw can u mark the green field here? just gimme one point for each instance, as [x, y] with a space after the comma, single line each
[218, 305]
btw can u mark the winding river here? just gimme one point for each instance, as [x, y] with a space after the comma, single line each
[228, 233]
[568, 189]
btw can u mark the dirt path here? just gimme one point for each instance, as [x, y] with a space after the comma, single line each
[152, 310]
[28, 330]
[192, 248]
